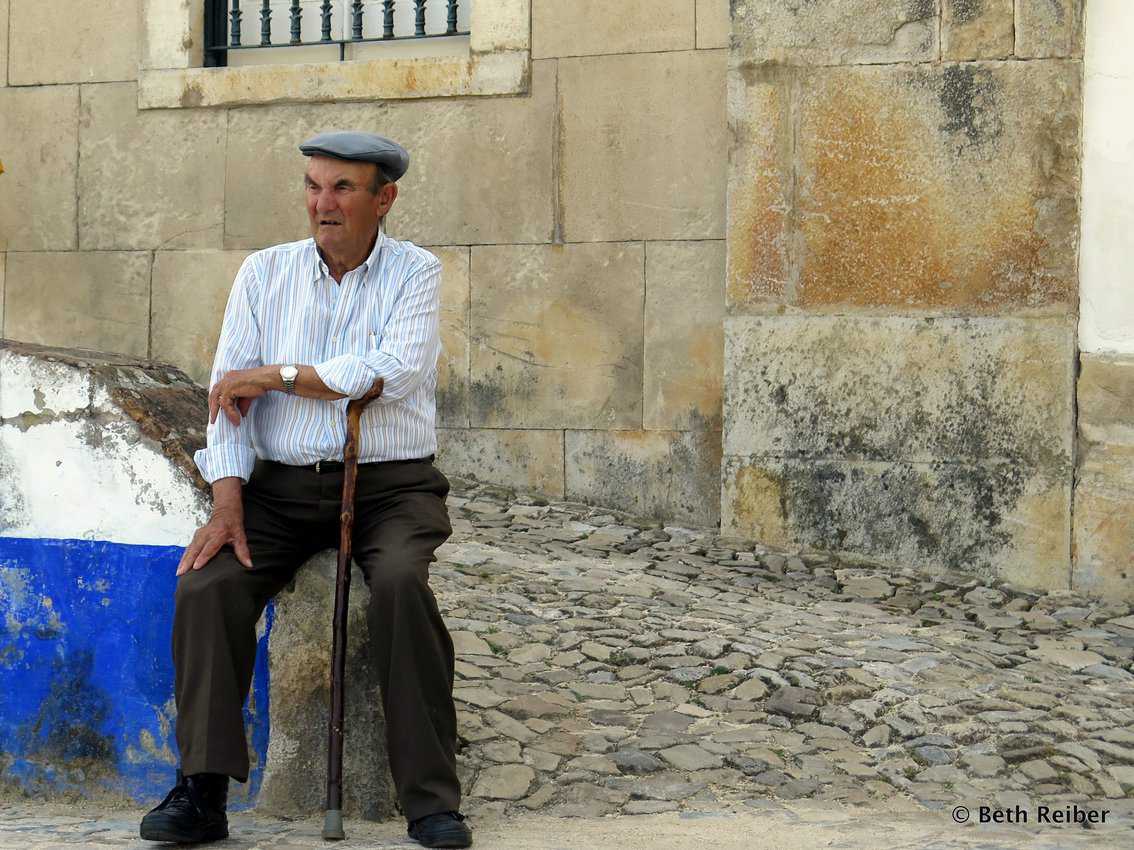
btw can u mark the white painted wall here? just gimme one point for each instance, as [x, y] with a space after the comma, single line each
[73, 466]
[1106, 259]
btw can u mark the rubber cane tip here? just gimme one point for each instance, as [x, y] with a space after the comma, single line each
[333, 826]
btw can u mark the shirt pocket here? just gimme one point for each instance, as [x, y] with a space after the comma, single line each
[375, 321]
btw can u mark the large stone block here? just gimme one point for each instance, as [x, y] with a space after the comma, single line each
[190, 291]
[148, 179]
[588, 27]
[3, 265]
[264, 198]
[527, 460]
[887, 388]
[3, 42]
[926, 441]
[370, 73]
[945, 188]
[39, 141]
[557, 336]
[453, 365]
[684, 340]
[500, 26]
[714, 23]
[977, 29]
[836, 32]
[172, 35]
[1105, 401]
[465, 153]
[97, 299]
[993, 519]
[299, 658]
[73, 41]
[761, 190]
[1049, 28]
[462, 152]
[1104, 481]
[668, 475]
[629, 123]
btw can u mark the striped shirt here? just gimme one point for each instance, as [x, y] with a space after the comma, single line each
[380, 321]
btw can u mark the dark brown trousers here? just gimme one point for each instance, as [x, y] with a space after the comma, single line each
[290, 513]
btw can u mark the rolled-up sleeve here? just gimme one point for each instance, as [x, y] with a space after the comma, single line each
[228, 450]
[410, 345]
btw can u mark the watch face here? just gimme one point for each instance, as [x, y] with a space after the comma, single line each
[288, 373]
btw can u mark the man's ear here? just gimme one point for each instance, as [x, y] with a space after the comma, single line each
[390, 191]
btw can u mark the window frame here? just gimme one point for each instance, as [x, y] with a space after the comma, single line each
[172, 75]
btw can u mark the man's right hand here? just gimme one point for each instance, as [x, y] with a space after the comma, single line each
[226, 525]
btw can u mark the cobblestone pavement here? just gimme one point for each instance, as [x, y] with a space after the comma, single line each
[720, 691]
[606, 666]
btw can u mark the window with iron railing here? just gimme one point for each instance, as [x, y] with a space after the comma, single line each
[254, 32]
[199, 54]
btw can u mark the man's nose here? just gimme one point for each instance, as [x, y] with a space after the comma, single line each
[326, 202]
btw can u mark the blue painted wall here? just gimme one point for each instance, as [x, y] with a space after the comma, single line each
[86, 675]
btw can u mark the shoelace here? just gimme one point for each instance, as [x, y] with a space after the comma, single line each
[185, 798]
[181, 798]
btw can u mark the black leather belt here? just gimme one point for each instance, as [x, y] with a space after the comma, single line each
[321, 466]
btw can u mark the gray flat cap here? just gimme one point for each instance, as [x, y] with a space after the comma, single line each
[392, 159]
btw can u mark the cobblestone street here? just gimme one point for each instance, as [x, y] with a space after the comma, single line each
[717, 689]
[608, 667]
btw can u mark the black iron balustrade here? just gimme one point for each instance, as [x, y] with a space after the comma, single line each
[223, 20]
[266, 24]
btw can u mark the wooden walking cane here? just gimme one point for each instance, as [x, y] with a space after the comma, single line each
[333, 820]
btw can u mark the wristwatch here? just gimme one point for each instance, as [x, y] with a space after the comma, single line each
[288, 375]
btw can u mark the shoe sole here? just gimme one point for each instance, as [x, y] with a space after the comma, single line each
[452, 840]
[181, 838]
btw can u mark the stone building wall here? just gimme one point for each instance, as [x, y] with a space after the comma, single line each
[902, 287]
[583, 247]
[895, 329]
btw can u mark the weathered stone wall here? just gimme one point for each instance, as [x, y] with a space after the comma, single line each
[900, 293]
[901, 286]
[583, 248]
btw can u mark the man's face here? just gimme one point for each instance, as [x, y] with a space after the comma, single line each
[341, 210]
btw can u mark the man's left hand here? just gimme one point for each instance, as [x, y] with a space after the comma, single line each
[234, 393]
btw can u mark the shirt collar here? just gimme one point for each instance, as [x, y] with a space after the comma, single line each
[319, 267]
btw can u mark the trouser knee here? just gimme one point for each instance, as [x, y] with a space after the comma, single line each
[397, 578]
[212, 591]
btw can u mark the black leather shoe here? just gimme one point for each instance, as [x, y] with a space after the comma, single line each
[444, 829]
[193, 811]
